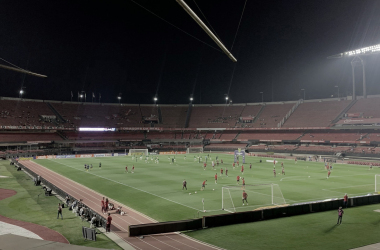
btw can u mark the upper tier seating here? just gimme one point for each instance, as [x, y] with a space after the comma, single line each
[272, 114]
[224, 116]
[369, 107]
[24, 113]
[99, 115]
[173, 117]
[315, 114]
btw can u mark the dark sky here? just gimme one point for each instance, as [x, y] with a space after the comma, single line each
[113, 47]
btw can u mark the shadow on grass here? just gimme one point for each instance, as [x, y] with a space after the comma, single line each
[331, 228]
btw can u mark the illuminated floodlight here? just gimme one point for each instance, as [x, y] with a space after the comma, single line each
[119, 97]
[374, 49]
[81, 96]
[21, 92]
[226, 98]
[155, 99]
[191, 99]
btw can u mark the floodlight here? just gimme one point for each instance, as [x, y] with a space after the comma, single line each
[21, 92]
[226, 98]
[191, 99]
[119, 97]
[81, 96]
[358, 52]
[155, 99]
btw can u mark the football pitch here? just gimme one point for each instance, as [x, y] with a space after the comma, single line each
[156, 189]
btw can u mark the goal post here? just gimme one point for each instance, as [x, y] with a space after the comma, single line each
[138, 152]
[194, 150]
[377, 183]
[260, 195]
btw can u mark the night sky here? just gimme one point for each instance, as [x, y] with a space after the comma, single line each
[113, 47]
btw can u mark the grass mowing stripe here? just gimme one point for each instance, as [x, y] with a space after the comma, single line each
[130, 186]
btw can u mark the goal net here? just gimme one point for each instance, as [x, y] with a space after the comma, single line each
[194, 150]
[138, 152]
[260, 195]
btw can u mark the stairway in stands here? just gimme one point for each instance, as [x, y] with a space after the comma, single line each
[258, 114]
[58, 116]
[341, 114]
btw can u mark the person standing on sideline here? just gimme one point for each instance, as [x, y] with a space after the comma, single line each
[340, 215]
[106, 205]
[184, 183]
[216, 178]
[67, 200]
[108, 225]
[59, 211]
[103, 206]
[345, 201]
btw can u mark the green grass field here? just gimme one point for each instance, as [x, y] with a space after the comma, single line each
[156, 189]
[42, 210]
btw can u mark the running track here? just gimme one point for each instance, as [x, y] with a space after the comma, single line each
[120, 223]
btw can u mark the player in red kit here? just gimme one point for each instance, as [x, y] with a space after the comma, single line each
[243, 183]
[250, 166]
[203, 185]
[233, 165]
[133, 169]
[204, 166]
[238, 179]
[245, 196]
[328, 174]
[242, 169]
[226, 172]
[221, 171]
[126, 169]
[216, 178]
[274, 172]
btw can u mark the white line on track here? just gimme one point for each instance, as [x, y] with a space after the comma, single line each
[128, 186]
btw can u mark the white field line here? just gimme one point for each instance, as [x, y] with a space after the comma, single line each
[143, 215]
[129, 186]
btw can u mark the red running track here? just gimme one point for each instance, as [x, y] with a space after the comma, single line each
[44, 232]
[120, 223]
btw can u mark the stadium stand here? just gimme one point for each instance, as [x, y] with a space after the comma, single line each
[24, 137]
[244, 136]
[369, 107]
[221, 116]
[24, 113]
[99, 115]
[249, 111]
[104, 136]
[226, 146]
[173, 116]
[272, 115]
[332, 136]
[315, 114]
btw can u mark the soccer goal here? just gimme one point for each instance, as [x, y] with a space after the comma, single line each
[138, 152]
[194, 150]
[377, 183]
[260, 195]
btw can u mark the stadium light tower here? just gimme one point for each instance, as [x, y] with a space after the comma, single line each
[155, 99]
[358, 55]
[262, 97]
[119, 98]
[304, 91]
